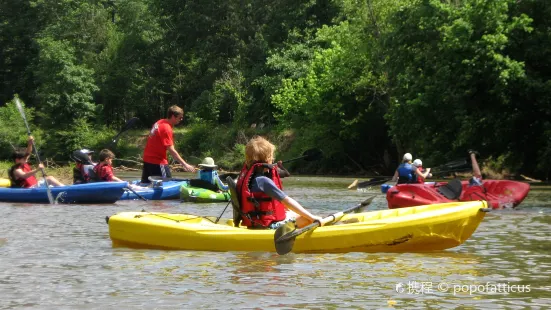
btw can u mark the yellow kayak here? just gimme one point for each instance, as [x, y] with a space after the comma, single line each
[5, 183]
[416, 229]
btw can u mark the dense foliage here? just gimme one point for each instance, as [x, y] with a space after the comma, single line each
[365, 80]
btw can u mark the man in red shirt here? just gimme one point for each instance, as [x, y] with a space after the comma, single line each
[158, 143]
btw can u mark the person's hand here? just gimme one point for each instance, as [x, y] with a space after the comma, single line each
[280, 164]
[316, 218]
[30, 140]
[188, 167]
[428, 170]
[40, 166]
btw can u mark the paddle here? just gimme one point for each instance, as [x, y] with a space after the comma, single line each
[129, 124]
[372, 182]
[220, 216]
[158, 178]
[138, 195]
[308, 155]
[458, 163]
[441, 173]
[22, 112]
[452, 166]
[284, 236]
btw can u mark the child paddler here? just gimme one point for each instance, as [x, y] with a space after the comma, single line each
[207, 176]
[22, 175]
[262, 200]
[83, 172]
[104, 169]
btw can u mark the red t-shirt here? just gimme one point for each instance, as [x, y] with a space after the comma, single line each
[160, 138]
[30, 181]
[104, 172]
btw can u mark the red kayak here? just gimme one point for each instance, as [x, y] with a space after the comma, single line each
[499, 193]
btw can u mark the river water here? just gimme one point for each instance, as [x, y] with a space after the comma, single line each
[60, 257]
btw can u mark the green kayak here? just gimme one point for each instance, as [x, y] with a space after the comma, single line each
[197, 194]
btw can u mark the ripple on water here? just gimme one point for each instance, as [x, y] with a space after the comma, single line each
[61, 256]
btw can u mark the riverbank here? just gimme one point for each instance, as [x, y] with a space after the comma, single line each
[226, 144]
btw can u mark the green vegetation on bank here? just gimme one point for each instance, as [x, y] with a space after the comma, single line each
[364, 80]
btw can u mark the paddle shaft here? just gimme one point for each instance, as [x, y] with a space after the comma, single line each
[456, 164]
[220, 216]
[22, 112]
[331, 218]
[135, 193]
[374, 182]
[126, 127]
[293, 159]
[313, 153]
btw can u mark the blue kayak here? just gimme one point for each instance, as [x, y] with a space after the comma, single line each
[101, 192]
[163, 191]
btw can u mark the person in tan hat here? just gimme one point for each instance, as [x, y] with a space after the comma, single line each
[209, 176]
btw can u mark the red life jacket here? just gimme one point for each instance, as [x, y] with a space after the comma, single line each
[24, 183]
[420, 179]
[259, 210]
[104, 172]
[83, 173]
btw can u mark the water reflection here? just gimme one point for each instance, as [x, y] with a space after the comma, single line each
[61, 257]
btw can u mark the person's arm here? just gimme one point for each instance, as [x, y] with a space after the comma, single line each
[19, 174]
[421, 174]
[395, 177]
[29, 150]
[294, 206]
[178, 158]
[267, 186]
[283, 173]
[220, 184]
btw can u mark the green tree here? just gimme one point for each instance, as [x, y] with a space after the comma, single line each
[450, 76]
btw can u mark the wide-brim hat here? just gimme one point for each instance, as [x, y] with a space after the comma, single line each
[208, 162]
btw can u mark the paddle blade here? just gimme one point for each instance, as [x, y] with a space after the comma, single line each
[372, 182]
[284, 246]
[366, 203]
[232, 186]
[129, 124]
[22, 112]
[312, 154]
[455, 164]
[19, 106]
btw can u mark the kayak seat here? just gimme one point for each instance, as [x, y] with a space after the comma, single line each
[452, 190]
[232, 186]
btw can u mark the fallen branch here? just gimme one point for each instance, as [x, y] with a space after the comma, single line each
[530, 179]
[124, 168]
